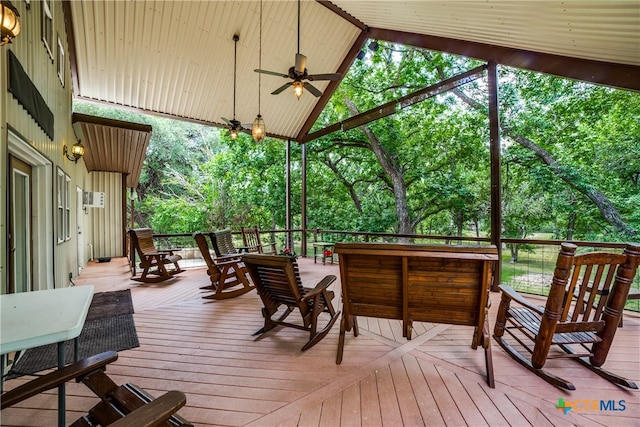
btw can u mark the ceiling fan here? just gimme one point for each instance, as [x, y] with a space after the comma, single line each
[234, 125]
[299, 72]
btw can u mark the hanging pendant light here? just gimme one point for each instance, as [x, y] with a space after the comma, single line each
[258, 131]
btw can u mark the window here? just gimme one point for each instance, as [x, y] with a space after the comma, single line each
[64, 208]
[47, 27]
[67, 208]
[61, 64]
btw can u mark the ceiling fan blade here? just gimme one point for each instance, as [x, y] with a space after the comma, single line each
[229, 122]
[334, 76]
[312, 89]
[273, 73]
[301, 63]
[281, 88]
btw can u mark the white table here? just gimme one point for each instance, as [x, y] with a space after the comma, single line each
[32, 319]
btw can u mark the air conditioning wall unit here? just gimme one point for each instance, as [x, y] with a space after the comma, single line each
[93, 199]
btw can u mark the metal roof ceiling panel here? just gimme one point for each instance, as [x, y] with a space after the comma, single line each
[175, 58]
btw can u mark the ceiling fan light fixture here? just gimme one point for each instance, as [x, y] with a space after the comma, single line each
[258, 131]
[234, 125]
[299, 72]
[298, 89]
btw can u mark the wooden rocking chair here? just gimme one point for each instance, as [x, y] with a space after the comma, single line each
[584, 306]
[252, 243]
[277, 280]
[125, 405]
[228, 274]
[152, 260]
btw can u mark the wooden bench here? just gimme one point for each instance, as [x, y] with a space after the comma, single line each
[435, 283]
[152, 260]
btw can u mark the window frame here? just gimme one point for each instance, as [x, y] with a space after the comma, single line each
[63, 208]
[61, 61]
[47, 27]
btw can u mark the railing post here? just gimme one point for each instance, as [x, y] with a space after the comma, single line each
[494, 147]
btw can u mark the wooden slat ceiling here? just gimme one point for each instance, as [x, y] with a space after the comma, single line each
[175, 58]
[113, 145]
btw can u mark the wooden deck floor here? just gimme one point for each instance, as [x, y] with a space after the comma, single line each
[231, 378]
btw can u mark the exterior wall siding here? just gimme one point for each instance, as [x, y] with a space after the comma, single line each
[106, 235]
[42, 70]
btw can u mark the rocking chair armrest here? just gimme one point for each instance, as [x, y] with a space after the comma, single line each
[155, 412]
[227, 257]
[515, 296]
[158, 253]
[320, 287]
[168, 251]
[55, 378]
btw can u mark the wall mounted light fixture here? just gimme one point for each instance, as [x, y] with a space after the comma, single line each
[77, 151]
[9, 24]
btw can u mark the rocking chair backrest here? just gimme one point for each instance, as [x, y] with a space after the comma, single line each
[591, 280]
[277, 280]
[578, 281]
[251, 239]
[206, 255]
[222, 242]
[142, 240]
[252, 243]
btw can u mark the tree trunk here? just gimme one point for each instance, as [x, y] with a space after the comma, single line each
[513, 247]
[350, 186]
[394, 171]
[571, 225]
[606, 207]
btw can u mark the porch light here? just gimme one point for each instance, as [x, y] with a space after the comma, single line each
[77, 151]
[374, 46]
[10, 26]
[258, 131]
[298, 88]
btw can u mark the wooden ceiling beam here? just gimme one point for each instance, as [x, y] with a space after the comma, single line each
[622, 76]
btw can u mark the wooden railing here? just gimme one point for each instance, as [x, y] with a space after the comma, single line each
[530, 273]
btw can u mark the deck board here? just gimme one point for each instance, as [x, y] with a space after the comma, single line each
[231, 378]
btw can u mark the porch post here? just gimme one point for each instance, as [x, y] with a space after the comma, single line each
[123, 192]
[494, 147]
[287, 219]
[303, 208]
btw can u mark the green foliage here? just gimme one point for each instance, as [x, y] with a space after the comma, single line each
[433, 156]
